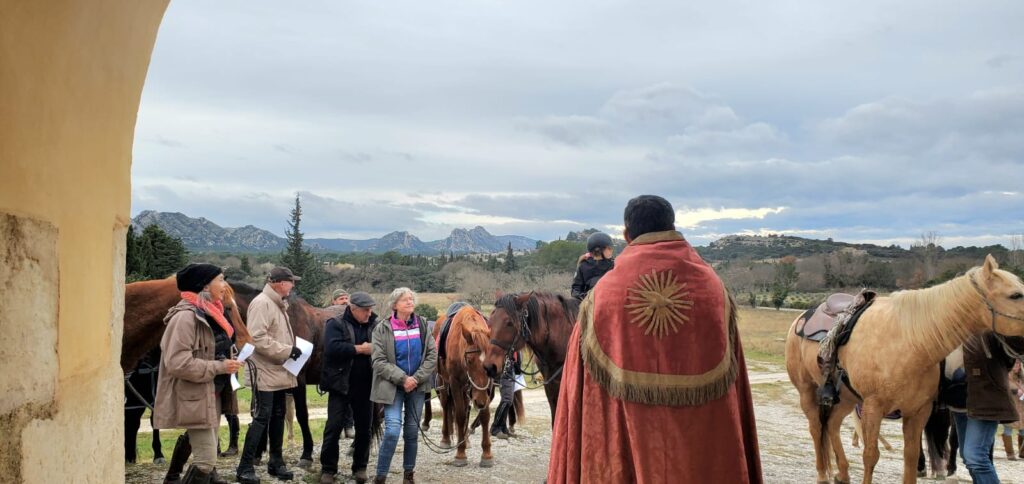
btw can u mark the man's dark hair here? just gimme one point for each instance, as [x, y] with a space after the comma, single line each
[648, 213]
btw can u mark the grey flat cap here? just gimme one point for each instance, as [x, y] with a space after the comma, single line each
[361, 299]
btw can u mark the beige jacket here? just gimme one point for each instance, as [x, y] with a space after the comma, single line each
[272, 336]
[185, 396]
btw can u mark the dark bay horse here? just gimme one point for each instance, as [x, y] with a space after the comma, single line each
[544, 322]
[307, 322]
[461, 379]
[145, 305]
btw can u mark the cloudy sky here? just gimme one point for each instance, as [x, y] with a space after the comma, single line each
[861, 121]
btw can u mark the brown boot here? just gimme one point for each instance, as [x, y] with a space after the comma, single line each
[380, 479]
[360, 476]
[326, 478]
[409, 478]
[1008, 447]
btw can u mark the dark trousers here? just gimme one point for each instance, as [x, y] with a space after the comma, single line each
[358, 400]
[346, 416]
[269, 420]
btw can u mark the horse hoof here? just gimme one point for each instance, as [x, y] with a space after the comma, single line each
[486, 463]
[305, 464]
[425, 428]
[447, 444]
[460, 463]
[836, 480]
[159, 461]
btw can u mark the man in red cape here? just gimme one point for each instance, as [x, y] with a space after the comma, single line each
[655, 386]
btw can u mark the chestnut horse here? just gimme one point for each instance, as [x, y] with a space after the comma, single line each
[892, 360]
[461, 378]
[307, 322]
[145, 305]
[541, 320]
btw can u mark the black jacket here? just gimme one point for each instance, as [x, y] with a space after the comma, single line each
[342, 366]
[588, 272]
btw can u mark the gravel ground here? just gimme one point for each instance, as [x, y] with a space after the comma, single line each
[786, 453]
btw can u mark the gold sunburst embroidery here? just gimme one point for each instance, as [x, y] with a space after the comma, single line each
[657, 303]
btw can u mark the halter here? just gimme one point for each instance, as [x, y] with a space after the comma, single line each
[991, 308]
[486, 387]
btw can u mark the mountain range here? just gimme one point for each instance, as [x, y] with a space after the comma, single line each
[200, 234]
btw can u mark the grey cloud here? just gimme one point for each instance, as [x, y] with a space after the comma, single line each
[1000, 60]
[572, 130]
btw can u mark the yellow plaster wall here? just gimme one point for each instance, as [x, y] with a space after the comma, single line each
[71, 76]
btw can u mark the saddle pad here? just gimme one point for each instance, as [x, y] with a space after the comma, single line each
[442, 338]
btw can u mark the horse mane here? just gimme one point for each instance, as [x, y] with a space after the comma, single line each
[934, 320]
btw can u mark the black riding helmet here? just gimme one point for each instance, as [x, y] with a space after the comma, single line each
[598, 240]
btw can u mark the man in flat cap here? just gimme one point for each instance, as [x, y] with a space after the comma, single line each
[347, 375]
[275, 344]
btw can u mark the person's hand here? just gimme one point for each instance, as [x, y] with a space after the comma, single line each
[364, 349]
[296, 353]
[410, 384]
[232, 365]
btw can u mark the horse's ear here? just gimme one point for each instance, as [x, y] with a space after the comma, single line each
[522, 298]
[990, 265]
[498, 293]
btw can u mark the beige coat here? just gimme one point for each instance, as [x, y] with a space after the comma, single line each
[272, 336]
[185, 396]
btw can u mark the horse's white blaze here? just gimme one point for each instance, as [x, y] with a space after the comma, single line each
[481, 357]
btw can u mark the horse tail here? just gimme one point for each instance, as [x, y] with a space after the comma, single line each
[377, 424]
[936, 433]
[824, 449]
[517, 404]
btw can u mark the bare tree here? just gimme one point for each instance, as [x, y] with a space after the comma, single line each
[927, 249]
[1016, 255]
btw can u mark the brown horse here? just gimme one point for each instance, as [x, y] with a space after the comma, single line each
[307, 322]
[461, 378]
[145, 306]
[544, 322]
[892, 360]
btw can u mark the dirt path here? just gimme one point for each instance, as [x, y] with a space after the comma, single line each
[786, 453]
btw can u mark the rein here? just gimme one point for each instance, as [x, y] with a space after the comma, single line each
[144, 369]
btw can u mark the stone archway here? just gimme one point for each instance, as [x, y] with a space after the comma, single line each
[71, 76]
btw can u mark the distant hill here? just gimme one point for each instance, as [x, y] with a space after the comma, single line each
[775, 246]
[200, 234]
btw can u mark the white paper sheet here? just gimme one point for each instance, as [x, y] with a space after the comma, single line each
[246, 352]
[235, 385]
[520, 381]
[294, 366]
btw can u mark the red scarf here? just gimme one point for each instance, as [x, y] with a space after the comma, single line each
[215, 309]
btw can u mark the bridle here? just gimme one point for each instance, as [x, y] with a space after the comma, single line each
[486, 387]
[992, 310]
[522, 337]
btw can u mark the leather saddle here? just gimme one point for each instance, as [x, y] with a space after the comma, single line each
[815, 323]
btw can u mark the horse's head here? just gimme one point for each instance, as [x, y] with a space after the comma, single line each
[475, 345]
[506, 324]
[1003, 295]
[242, 335]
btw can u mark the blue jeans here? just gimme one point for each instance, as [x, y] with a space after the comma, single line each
[976, 440]
[1007, 430]
[411, 405]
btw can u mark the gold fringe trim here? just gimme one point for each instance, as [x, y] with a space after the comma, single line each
[655, 237]
[654, 388]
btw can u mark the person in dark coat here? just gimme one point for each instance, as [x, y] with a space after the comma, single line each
[592, 265]
[989, 401]
[347, 376]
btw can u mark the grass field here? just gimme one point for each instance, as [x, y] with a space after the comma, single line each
[763, 333]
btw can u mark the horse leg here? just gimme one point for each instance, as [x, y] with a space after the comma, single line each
[302, 413]
[428, 412]
[486, 458]
[913, 425]
[809, 404]
[158, 454]
[871, 419]
[446, 418]
[857, 430]
[462, 428]
[132, 418]
[835, 422]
